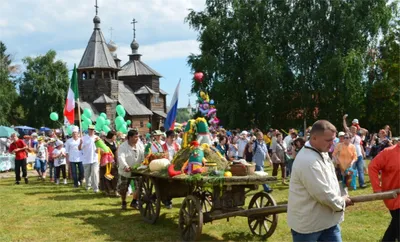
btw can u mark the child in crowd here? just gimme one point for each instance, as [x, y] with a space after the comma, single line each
[41, 158]
[60, 161]
[50, 149]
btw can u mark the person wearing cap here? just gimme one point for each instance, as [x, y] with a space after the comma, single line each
[33, 141]
[74, 157]
[60, 161]
[156, 145]
[19, 148]
[130, 153]
[356, 141]
[344, 155]
[90, 159]
[241, 143]
[41, 158]
[50, 161]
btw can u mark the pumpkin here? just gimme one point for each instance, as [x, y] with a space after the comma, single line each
[158, 164]
[227, 174]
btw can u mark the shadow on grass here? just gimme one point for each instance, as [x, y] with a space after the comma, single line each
[239, 236]
[78, 196]
[128, 225]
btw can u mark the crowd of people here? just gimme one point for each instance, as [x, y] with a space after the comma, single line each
[302, 158]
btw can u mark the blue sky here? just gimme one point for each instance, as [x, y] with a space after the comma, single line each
[32, 27]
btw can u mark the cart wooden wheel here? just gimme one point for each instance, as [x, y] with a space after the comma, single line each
[206, 202]
[190, 218]
[149, 199]
[262, 225]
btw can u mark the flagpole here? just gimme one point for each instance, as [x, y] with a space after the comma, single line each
[79, 116]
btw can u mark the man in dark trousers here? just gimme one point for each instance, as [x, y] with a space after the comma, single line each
[19, 148]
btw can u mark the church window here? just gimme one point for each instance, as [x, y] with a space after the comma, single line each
[91, 75]
[156, 98]
[84, 76]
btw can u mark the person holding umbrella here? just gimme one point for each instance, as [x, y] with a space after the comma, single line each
[19, 148]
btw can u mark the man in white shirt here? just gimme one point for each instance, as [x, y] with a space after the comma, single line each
[130, 153]
[74, 157]
[241, 143]
[90, 159]
[315, 204]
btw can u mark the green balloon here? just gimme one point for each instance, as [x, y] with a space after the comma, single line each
[123, 129]
[54, 116]
[119, 120]
[100, 120]
[69, 129]
[103, 115]
[148, 125]
[122, 113]
[106, 129]
[128, 122]
[148, 135]
[98, 127]
[85, 126]
[119, 109]
[108, 122]
[87, 112]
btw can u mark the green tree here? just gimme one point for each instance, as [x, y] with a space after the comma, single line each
[280, 62]
[43, 89]
[183, 115]
[383, 86]
[8, 94]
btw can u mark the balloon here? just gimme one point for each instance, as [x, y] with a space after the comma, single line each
[87, 112]
[100, 120]
[98, 127]
[198, 76]
[106, 129]
[123, 129]
[148, 135]
[128, 122]
[85, 126]
[211, 102]
[108, 122]
[54, 116]
[120, 109]
[148, 125]
[69, 129]
[103, 115]
[122, 113]
[119, 120]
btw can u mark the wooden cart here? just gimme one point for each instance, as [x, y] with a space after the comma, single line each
[207, 200]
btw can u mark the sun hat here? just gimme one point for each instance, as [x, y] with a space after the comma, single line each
[34, 135]
[341, 133]
[244, 132]
[157, 132]
[355, 121]
[75, 129]
[91, 127]
[41, 138]
[59, 142]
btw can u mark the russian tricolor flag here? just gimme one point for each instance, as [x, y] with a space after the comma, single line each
[173, 110]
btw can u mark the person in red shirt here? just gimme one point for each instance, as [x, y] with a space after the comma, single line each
[388, 163]
[19, 148]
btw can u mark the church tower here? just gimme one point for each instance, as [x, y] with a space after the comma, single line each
[98, 72]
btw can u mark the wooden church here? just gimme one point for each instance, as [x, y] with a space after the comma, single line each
[104, 83]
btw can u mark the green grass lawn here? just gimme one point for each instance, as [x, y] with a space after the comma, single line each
[46, 212]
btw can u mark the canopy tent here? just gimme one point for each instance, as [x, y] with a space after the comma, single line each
[24, 128]
[6, 132]
[44, 129]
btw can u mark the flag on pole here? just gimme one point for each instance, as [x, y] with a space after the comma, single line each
[69, 109]
[173, 110]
